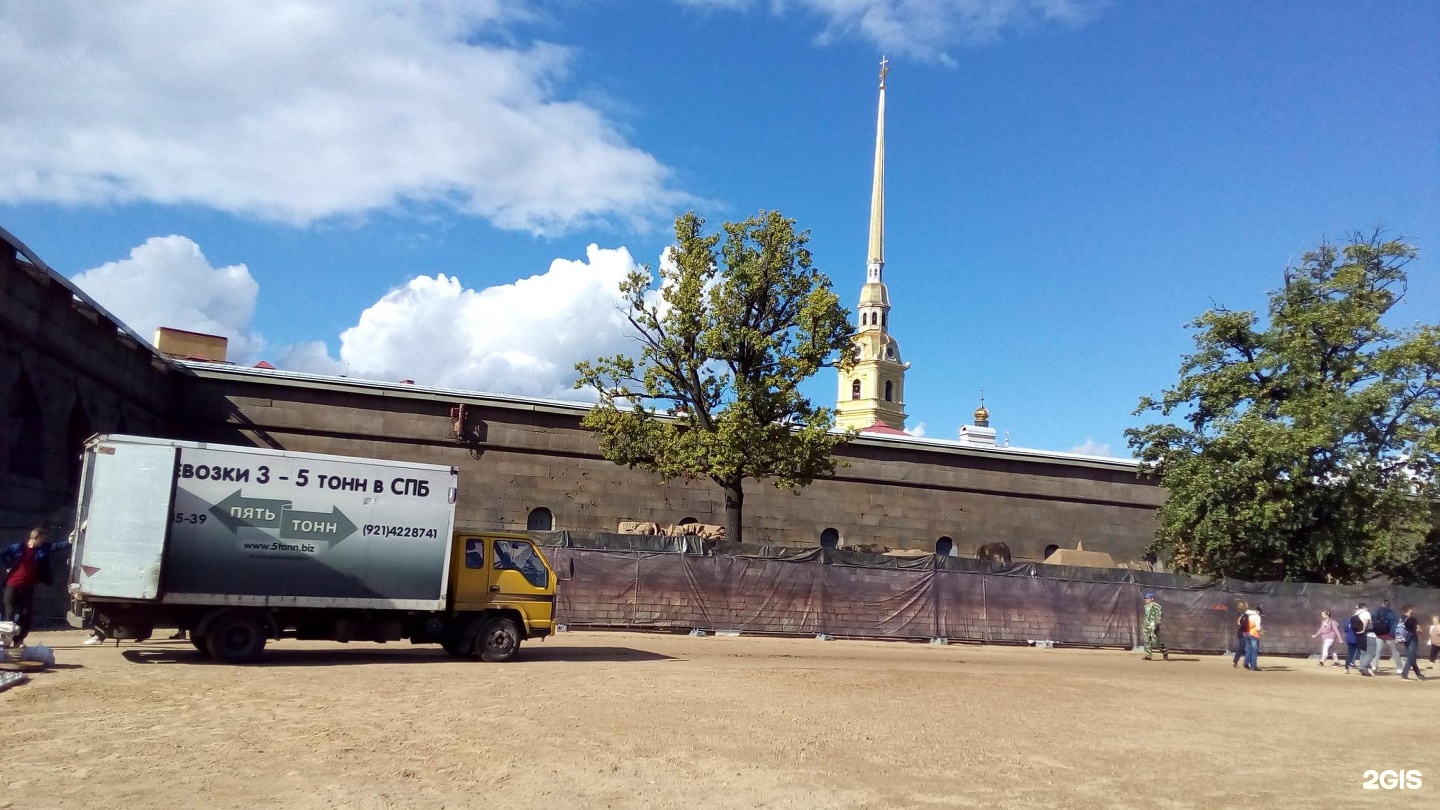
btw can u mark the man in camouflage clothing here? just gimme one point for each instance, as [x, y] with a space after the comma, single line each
[1152, 629]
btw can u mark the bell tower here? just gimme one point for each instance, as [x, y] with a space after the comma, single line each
[873, 391]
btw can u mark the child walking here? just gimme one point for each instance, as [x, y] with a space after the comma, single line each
[1329, 634]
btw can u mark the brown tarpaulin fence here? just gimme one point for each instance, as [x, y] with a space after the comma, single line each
[809, 592]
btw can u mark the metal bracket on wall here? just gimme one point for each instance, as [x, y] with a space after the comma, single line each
[468, 429]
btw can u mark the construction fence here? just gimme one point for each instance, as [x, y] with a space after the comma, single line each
[641, 582]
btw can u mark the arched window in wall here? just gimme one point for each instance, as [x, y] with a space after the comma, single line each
[855, 389]
[77, 430]
[888, 390]
[1050, 549]
[945, 547]
[24, 432]
[830, 538]
[688, 521]
[540, 520]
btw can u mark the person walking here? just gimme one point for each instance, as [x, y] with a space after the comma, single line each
[1352, 624]
[1384, 624]
[1252, 639]
[1365, 637]
[1434, 639]
[23, 567]
[1411, 625]
[1329, 634]
[1241, 631]
[1151, 629]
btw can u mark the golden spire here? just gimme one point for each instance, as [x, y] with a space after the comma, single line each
[877, 190]
[982, 416]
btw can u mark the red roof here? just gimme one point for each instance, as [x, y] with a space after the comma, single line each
[883, 429]
[263, 364]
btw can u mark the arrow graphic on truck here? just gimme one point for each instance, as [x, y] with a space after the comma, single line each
[330, 526]
[264, 513]
[260, 513]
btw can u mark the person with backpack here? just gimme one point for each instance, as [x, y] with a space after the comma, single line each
[1411, 627]
[1385, 624]
[1329, 633]
[1364, 637]
[1353, 652]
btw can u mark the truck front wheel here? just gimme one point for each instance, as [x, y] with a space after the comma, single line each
[236, 639]
[499, 639]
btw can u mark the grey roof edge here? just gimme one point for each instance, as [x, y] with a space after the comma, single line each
[302, 379]
[39, 264]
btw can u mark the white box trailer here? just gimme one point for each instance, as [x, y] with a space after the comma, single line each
[194, 535]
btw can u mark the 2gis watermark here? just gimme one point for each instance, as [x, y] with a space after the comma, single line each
[1391, 780]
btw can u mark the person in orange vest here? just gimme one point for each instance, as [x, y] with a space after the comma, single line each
[1252, 639]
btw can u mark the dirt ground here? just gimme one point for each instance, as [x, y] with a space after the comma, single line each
[653, 720]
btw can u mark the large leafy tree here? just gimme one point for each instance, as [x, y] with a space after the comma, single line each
[725, 343]
[1306, 445]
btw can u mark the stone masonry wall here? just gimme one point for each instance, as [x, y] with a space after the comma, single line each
[903, 497]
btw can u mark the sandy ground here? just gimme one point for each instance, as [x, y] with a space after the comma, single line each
[651, 720]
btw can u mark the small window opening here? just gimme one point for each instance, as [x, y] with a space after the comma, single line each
[540, 520]
[945, 547]
[1051, 549]
[830, 538]
[855, 390]
[888, 389]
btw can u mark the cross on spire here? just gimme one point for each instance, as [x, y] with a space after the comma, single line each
[884, 69]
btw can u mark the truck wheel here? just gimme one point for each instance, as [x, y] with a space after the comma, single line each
[452, 646]
[235, 639]
[499, 640]
[198, 641]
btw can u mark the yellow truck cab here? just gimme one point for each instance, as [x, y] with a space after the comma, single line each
[504, 584]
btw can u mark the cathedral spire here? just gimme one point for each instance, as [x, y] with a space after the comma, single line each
[872, 394]
[876, 259]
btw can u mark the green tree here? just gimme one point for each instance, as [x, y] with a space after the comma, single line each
[1307, 446]
[725, 343]
[1420, 568]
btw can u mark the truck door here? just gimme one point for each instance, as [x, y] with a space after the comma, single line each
[470, 572]
[125, 501]
[520, 578]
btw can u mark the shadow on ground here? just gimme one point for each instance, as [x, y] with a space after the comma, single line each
[423, 655]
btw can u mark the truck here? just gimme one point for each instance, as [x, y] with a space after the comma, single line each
[241, 545]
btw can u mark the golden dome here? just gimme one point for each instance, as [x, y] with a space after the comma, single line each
[982, 416]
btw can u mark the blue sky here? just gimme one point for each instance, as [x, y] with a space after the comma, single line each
[1068, 182]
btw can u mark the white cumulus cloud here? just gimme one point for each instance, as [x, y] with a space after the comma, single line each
[1092, 448]
[918, 431]
[922, 29]
[522, 338]
[302, 110]
[168, 282]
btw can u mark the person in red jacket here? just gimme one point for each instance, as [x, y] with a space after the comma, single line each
[26, 566]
